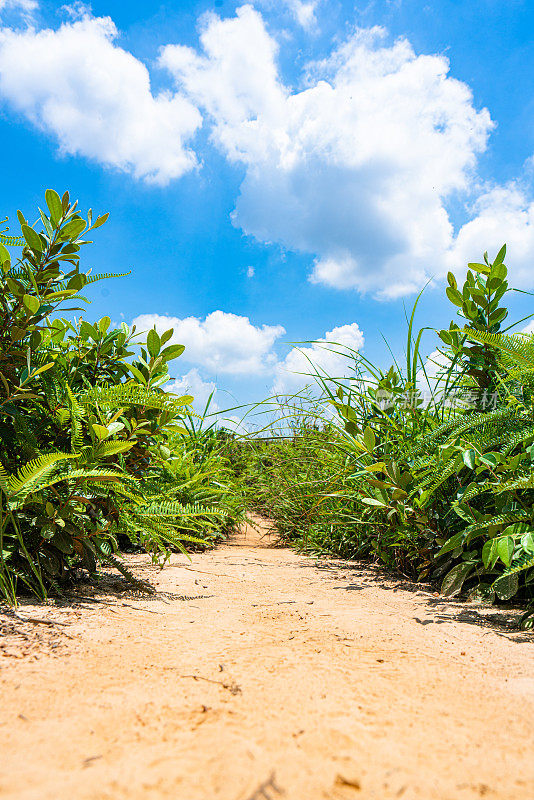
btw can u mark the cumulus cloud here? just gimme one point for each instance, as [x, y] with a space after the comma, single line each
[193, 383]
[326, 356]
[355, 169]
[95, 98]
[503, 214]
[222, 342]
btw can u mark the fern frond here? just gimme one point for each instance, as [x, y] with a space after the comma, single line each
[517, 350]
[526, 482]
[131, 394]
[30, 474]
[523, 562]
[10, 241]
[106, 449]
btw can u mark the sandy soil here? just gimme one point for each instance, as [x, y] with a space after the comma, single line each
[258, 673]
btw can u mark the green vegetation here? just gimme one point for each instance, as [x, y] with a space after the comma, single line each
[92, 450]
[436, 485]
[430, 474]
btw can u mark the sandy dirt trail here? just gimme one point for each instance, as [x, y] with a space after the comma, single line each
[272, 677]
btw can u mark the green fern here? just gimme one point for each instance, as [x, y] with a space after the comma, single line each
[31, 474]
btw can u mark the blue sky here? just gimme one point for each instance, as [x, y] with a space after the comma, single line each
[276, 171]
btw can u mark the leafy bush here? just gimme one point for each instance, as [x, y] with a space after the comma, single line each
[440, 487]
[91, 447]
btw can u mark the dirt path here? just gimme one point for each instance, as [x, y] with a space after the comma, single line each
[273, 678]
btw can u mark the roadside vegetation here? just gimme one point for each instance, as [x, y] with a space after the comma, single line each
[93, 452]
[426, 468]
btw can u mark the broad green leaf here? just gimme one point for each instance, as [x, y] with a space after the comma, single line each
[498, 315]
[184, 400]
[172, 351]
[372, 501]
[506, 586]
[454, 296]
[452, 543]
[115, 427]
[153, 342]
[104, 324]
[77, 282]
[100, 220]
[484, 269]
[498, 272]
[73, 229]
[53, 201]
[501, 255]
[166, 336]
[107, 449]
[518, 529]
[44, 368]
[455, 579]
[378, 466]
[491, 459]
[468, 457]
[33, 239]
[369, 438]
[31, 303]
[63, 541]
[505, 549]
[88, 331]
[137, 374]
[490, 553]
[4, 255]
[101, 432]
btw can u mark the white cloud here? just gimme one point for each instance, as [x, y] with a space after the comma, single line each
[193, 383]
[296, 370]
[250, 272]
[76, 10]
[27, 7]
[302, 11]
[222, 342]
[501, 215]
[430, 379]
[95, 99]
[355, 169]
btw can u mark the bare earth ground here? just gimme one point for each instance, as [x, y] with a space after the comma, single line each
[269, 677]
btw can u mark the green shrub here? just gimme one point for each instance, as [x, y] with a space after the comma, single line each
[90, 445]
[440, 487]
